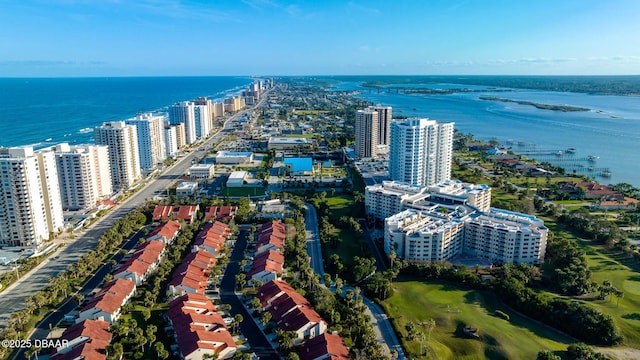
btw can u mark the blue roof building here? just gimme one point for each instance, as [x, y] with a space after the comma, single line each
[299, 166]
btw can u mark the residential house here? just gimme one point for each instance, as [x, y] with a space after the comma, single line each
[324, 347]
[85, 340]
[142, 263]
[107, 303]
[166, 232]
[267, 266]
[188, 213]
[220, 213]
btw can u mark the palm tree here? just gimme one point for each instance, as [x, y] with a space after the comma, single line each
[237, 319]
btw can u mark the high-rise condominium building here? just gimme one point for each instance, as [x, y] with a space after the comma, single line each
[84, 175]
[420, 151]
[218, 109]
[385, 115]
[171, 140]
[151, 143]
[203, 121]
[124, 158]
[366, 133]
[30, 205]
[211, 109]
[184, 113]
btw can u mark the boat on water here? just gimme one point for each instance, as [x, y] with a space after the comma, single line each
[571, 150]
[593, 158]
[559, 153]
[606, 173]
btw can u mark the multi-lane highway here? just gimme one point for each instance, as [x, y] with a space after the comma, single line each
[13, 298]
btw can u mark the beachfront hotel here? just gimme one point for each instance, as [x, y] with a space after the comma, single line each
[151, 142]
[84, 175]
[124, 160]
[420, 151]
[184, 112]
[366, 133]
[30, 205]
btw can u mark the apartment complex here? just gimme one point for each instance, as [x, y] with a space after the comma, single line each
[30, 205]
[84, 175]
[366, 133]
[124, 158]
[151, 139]
[442, 221]
[418, 236]
[391, 197]
[420, 151]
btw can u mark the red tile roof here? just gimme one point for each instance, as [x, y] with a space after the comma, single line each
[285, 304]
[272, 290]
[195, 302]
[184, 320]
[97, 337]
[325, 346]
[146, 254]
[299, 318]
[191, 341]
[112, 296]
[168, 230]
[270, 260]
[184, 212]
[220, 212]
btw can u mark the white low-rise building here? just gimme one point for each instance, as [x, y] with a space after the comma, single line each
[237, 179]
[233, 157]
[186, 188]
[202, 171]
[291, 143]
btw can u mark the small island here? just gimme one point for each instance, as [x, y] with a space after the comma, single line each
[563, 108]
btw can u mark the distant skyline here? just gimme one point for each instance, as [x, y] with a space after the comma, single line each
[60, 38]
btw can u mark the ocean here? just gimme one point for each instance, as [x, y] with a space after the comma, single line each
[45, 111]
[610, 131]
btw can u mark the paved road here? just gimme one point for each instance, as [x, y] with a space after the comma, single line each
[381, 325]
[313, 239]
[13, 298]
[381, 263]
[259, 343]
[43, 328]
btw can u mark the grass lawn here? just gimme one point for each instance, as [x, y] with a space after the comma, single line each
[340, 205]
[623, 272]
[309, 112]
[452, 306]
[308, 136]
[350, 245]
[242, 191]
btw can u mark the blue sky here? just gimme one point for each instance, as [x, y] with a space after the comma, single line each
[278, 37]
